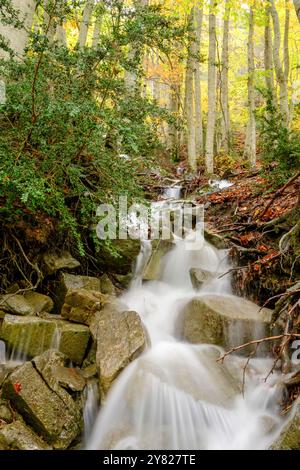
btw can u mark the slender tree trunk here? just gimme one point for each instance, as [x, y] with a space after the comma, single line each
[198, 107]
[279, 70]
[225, 116]
[85, 23]
[297, 8]
[250, 144]
[190, 95]
[268, 58]
[212, 79]
[18, 38]
[97, 32]
[61, 34]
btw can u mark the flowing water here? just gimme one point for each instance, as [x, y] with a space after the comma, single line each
[176, 395]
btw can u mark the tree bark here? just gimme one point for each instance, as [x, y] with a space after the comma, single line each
[198, 107]
[225, 115]
[250, 144]
[189, 95]
[85, 23]
[18, 38]
[268, 58]
[297, 8]
[279, 70]
[212, 79]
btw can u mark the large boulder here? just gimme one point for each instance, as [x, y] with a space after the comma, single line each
[153, 269]
[18, 436]
[120, 339]
[81, 305]
[31, 336]
[48, 408]
[69, 282]
[53, 261]
[226, 321]
[200, 277]
[289, 438]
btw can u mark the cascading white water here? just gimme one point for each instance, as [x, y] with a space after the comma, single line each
[176, 395]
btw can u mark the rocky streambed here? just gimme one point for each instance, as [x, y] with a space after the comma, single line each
[82, 339]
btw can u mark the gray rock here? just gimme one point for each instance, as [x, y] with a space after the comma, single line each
[6, 413]
[120, 339]
[81, 305]
[226, 321]
[153, 269]
[17, 305]
[200, 276]
[53, 262]
[70, 282]
[18, 436]
[39, 302]
[48, 408]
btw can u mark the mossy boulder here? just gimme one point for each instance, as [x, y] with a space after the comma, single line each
[289, 438]
[107, 286]
[200, 277]
[121, 259]
[46, 407]
[31, 336]
[17, 304]
[39, 302]
[18, 436]
[226, 321]
[70, 282]
[215, 240]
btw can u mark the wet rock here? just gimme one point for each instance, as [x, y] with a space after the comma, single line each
[70, 282]
[120, 339]
[89, 372]
[226, 321]
[81, 305]
[107, 286]
[52, 366]
[128, 251]
[31, 336]
[153, 269]
[17, 305]
[39, 302]
[53, 262]
[200, 276]
[289, 438]
[48, 408]
[6, 414]
[18, 436]
[123, 281]
[215, 240]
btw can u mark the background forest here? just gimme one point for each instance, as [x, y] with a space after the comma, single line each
[97, 93]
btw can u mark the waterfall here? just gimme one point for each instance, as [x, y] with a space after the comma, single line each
[176, 395]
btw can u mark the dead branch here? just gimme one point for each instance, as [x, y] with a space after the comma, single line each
[256, 342]
[278, 193]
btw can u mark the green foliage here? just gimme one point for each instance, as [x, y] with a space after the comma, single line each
[69, 116]
[280, 146]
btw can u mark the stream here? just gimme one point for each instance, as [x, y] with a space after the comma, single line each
[176, 395]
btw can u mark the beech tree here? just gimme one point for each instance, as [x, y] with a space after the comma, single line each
[250, 144]
[225, 115]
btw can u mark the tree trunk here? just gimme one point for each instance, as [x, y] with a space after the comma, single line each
[268, 59]
[212, 78]
[189, 95]
[18, 38]
[85, 23]
[250, 144]
[280, 72]
[198, 107]
[61, 34]
[225, 116]
[297, 8]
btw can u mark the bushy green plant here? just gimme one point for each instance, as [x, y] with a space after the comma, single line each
[69, 116]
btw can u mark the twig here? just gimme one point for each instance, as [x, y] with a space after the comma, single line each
[254, 342]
